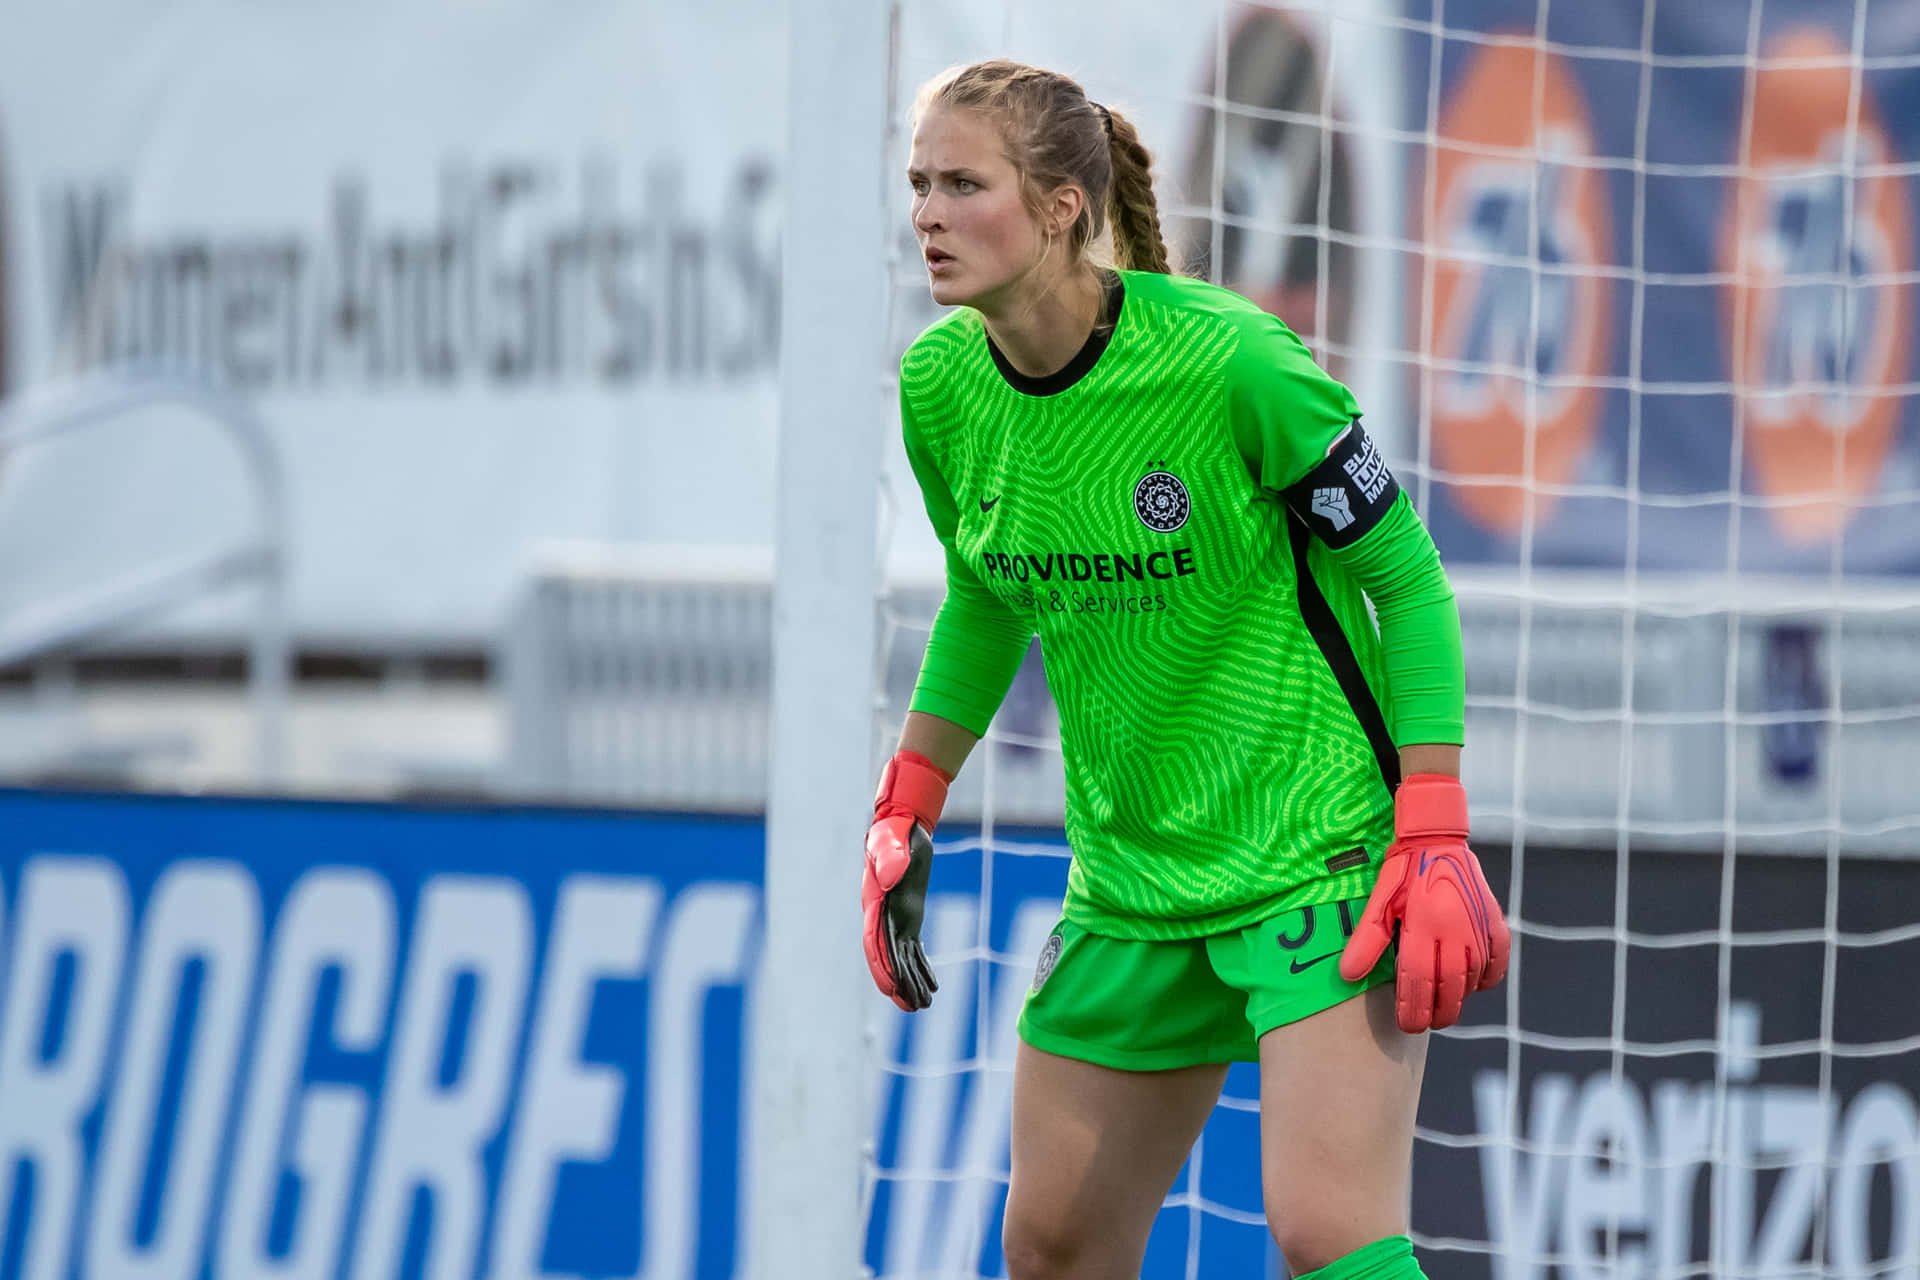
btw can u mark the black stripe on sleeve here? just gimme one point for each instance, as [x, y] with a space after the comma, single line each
[1326, 631]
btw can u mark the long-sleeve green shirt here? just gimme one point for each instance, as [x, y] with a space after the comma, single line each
[1192, 519]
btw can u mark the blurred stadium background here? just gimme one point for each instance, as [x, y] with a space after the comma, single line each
[407, 408]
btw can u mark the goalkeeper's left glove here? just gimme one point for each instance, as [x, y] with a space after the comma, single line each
[1431, 890]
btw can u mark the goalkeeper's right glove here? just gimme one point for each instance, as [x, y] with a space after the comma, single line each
[1433, 897]
[893, 891]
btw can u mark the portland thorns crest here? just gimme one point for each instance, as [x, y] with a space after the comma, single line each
[1161, 501]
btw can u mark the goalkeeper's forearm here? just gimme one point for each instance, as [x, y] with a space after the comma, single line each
[1430, 757]
[941, 741]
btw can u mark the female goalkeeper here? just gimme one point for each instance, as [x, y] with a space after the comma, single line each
[1262, 789]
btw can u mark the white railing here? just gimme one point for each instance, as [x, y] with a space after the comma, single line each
[101, 612]
[1780, 710]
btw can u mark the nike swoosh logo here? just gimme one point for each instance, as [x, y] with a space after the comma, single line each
[1463, 885]
[1301, 966]
[988, 504]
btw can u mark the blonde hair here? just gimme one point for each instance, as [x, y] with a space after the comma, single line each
[1054, 136]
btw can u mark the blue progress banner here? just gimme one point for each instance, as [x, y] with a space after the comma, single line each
[262, 1039]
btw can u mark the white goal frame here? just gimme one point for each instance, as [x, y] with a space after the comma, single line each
[807, 1126]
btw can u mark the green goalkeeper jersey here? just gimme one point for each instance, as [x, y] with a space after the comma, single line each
[1192, 519]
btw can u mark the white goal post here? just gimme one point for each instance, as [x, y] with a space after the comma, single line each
[808, 1123]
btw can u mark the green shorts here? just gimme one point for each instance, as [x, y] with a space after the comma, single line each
[1150, 1006]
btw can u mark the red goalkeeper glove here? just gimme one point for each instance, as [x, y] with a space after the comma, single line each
[893, 892]
[1453, 939]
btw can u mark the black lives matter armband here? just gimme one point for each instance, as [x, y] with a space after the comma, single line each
[1348, 493]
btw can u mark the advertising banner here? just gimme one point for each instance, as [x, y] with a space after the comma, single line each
[494, 278]
[272, 1039]
[497, 277]
[254, 1039]
[257, 1039]
[1668, 294]
[489, 276]
[1736, 1093]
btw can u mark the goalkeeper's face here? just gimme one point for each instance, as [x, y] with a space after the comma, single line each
[978, 237]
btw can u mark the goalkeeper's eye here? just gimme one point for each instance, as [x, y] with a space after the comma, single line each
[965, 186]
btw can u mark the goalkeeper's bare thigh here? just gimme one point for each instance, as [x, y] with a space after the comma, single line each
[1095, 1151]
[1338, 1093]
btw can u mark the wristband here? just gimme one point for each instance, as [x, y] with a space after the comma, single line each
[912, 786]
[1430, 804]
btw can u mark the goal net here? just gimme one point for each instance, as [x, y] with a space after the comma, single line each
[1625, 289]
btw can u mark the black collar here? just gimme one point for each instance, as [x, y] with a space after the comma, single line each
[1052, 384]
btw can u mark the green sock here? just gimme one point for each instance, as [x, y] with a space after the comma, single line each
[1388, 1259]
